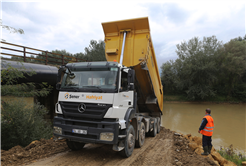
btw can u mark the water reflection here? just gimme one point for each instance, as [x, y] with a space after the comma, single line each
[229, 121]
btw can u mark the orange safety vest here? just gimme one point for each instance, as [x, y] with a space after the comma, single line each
[208, 129]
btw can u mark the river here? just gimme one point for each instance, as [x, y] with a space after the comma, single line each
[229, 122]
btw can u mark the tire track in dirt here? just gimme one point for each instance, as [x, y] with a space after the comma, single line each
[153, 152]
[158, 151]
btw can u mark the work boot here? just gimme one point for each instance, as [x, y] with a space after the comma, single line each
[209, 149]
[205, 149]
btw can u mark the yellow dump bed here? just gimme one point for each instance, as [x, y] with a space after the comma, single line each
[138, 53]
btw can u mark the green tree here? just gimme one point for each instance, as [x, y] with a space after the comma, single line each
[95, 51]
[168, 77]
[207, 68]
[11, 29]
[199, 70]
[240, 38]
[233, 68]
[195, 71]
[80, 56]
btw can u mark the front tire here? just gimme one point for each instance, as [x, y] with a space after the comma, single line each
[129, 142]
[141, 136]
[75, 145]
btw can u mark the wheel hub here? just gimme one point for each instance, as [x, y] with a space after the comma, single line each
[130, 140]
[142, 134]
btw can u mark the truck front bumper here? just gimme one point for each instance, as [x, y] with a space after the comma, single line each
[93, 128]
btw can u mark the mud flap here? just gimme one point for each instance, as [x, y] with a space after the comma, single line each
[119, 147]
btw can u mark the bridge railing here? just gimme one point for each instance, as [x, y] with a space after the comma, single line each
[34, 55]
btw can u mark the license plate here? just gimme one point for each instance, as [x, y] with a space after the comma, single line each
[78, 131]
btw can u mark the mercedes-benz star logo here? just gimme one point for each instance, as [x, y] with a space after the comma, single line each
[82, 108]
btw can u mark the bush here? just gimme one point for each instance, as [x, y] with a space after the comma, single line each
[21, 124]
[230, 154]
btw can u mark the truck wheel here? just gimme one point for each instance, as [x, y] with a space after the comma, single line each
[158, 125]
[141, 136]
[75, 145]
[129, 142]
[154, 131]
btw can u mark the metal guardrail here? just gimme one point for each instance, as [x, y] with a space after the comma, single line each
[46, 54]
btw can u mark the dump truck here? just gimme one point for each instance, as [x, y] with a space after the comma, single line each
[116, 102]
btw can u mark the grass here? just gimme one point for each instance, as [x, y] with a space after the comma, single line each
[230, 154]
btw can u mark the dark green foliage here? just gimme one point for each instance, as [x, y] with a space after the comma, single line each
[206, 68]
[9, 78]
[22, 124]
[95, 51]
[168, 77]
[233, 67]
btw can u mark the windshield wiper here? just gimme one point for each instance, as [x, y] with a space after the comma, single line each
[75, 89]
[95, 87]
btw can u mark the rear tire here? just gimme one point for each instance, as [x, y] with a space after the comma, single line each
[129, 142]
[158, 125]
[154, 131]
[75, 145]
[141, 136]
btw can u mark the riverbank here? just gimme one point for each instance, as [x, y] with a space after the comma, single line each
[166, 148]
[186, 118]
[217, 100]
[230, 154]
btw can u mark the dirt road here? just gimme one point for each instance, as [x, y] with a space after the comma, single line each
[167, 148]
[160, 150]
[99, 154]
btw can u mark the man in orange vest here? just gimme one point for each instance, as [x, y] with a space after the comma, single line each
[206, 129]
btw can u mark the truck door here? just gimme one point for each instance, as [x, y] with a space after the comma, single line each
[124, 99]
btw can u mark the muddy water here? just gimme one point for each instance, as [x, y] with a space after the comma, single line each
[229, 121]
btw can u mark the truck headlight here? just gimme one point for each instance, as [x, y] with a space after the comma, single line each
[107, 136]
[57, 130]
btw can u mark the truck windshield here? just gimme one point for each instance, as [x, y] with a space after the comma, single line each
[95, 79]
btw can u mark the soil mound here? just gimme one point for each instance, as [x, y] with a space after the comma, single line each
[195, 144]
[35, 150]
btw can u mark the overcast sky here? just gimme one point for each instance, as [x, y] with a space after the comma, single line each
[70, 25]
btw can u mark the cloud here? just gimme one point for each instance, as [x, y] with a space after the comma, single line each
[70, 25]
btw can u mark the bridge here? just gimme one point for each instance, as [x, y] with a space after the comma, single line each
[42, 57]
[44, 63]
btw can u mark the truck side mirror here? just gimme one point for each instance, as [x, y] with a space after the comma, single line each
[58, 86]
[61, 71]
[60, 75]
[131, 78]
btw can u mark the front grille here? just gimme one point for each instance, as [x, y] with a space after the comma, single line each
[80, 135]
[92, 111]
[84, 124]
